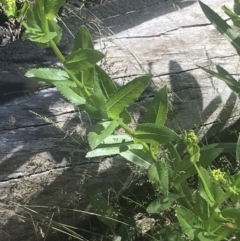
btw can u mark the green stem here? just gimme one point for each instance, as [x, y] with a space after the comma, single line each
[71, 75]
[223, 199]
[127, 129]
[130, 132]
[43, 18]
[178, 190]
[210, 220]
[209, 194]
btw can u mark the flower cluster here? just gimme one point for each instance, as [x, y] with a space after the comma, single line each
[218, 175]
[190, 138]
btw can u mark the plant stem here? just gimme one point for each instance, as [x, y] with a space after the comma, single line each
[178, 190]
[209, 194]
[130, 132]
[43, 18]
[223, 199]
[71, 75]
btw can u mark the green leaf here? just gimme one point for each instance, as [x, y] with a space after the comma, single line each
[69, 94]
[47, 75]
[32, 19]
[204, 236]
[83, 59]
[229, 80]
[53, 27]
[125, 95]
[89, 77]
[126, 117]
[153, 133]
[52, 7]
[222, 26]
[186, 191]
[233, 214]
[158, 108]
[215, 189]
[188, 221]
[158, 175]
[171, 233]
[106, 212]
[137, 157]
[110, 150]
[223, 232]
[41, 38]
[96, 106]
[173, 154]
[227, 147]
[236, 7]
[238, 150]
[161, 204]
[201, 208]
[185, 169]
[234, 17]
[106, 83]
[101, 131]
[116, 139]
[9, 7]
[82, 39]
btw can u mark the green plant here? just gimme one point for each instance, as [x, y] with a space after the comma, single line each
[211, 212]
[11, 10]
[231, 35]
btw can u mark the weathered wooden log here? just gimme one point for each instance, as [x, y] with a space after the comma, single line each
[44, 164]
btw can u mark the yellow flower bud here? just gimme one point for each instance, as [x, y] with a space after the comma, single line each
[218, 175]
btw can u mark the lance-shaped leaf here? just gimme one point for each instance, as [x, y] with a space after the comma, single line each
[32, 19]
[201, 207]
[209, 190]
[153, 133]
[137, 157]
[118, 139]
[68, 93]
[108, 88]
[188, 221]
[158, 175]
[82, 39]
[82, 59]
[109, 150]
[88, 77]
[227, 147]
[234, 17]
[47, 75]
[222, 26]
[161, 204]
[226, 77]
[185, 168]
[105, 82]
[125, 95]
[96, 106]
[52, 7]
[101, 131]
[158, 108]
[236, 7]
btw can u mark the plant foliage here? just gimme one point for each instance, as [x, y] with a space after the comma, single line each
[204, 214]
